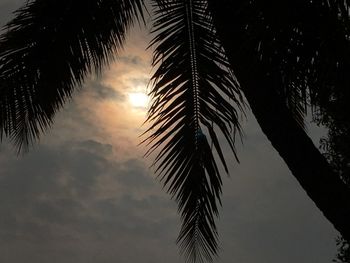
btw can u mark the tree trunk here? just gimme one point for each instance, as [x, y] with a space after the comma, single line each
[304, 160]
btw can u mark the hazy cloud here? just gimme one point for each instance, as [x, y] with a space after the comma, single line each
[103, 92]
[55, 194]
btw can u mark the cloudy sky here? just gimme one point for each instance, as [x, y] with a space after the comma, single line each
[86, 194]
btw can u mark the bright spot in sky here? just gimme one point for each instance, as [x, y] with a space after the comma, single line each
[138, 99]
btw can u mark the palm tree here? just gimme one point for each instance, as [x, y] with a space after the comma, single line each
[51, 46]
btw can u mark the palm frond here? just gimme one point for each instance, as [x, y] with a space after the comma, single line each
[47, 50]
[193, 95]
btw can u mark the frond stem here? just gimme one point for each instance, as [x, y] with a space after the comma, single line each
[194, 69]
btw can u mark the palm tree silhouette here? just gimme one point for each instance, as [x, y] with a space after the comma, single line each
[282, 58]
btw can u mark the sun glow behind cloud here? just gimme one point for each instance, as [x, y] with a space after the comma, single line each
[116, 102]
[138, 99]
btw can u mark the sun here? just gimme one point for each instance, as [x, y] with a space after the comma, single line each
[138, 99]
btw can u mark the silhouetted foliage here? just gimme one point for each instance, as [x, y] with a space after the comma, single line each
[343, 255]
[47, 50]
[193, 93]
[302, 46]
[336, 145]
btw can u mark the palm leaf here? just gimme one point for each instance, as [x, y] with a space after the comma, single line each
[193, 95]
[47, 50]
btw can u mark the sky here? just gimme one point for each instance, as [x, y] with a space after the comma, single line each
[85, 193]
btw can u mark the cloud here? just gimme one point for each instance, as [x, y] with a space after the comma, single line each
[100, 91]
[56, 196]
[131, 60]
